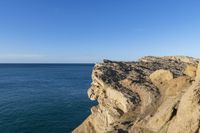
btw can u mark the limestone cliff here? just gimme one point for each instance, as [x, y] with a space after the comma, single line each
[152, 95]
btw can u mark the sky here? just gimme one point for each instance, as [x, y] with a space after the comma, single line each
[87, 31]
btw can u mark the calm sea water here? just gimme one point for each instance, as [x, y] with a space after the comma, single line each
[43, 98]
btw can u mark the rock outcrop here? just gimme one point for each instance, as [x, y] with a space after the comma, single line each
[152, 95]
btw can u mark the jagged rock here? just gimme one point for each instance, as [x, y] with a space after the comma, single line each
[187, 119]
[152, 95]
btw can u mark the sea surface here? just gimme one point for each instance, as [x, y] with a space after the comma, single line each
[43, 98]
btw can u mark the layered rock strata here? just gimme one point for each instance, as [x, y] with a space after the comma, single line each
[151, 95]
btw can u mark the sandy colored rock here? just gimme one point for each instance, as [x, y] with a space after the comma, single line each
[164, 113]
[161, 76]
[152, 95]
[197, 78]
[191, 70]
[187, 119]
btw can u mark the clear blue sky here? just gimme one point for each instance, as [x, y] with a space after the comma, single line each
[91, 30]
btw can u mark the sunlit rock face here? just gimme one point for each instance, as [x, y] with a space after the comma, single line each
[152, 95]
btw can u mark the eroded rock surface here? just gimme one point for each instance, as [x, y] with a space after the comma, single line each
[152, 95]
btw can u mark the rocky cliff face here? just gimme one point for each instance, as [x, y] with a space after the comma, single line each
[152, 95]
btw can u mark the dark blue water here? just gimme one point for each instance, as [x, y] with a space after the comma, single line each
[43, 98]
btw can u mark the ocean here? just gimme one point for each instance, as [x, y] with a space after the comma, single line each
[44, 98]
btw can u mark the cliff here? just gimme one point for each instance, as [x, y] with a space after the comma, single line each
[151, 95]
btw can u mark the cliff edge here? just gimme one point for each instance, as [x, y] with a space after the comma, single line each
[151, 95]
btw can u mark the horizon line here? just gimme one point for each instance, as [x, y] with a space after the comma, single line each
[44, 63]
